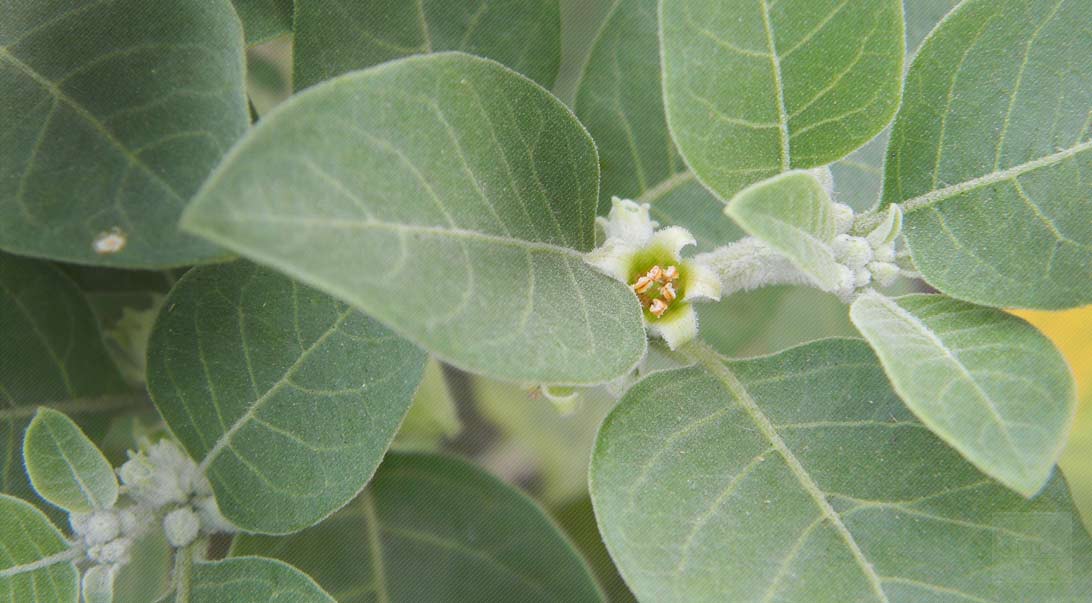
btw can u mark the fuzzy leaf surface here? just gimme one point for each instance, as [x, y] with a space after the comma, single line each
[65, 467]
[34, 564]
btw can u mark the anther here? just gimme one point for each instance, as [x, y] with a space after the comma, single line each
[658, 307]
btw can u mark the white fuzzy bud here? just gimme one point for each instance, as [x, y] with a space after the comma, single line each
[861, 278]
[843, 218]
[163, 476]
[212, 521]
[101, 527]
[884, 253]
[181, 527]
[115, 552]
[78, 522]
[883, 273]
[851, 251]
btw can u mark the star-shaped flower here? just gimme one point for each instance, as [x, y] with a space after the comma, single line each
[649, 261]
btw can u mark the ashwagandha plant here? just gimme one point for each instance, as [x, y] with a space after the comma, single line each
[424, 195]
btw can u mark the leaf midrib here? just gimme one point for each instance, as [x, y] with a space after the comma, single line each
[709, 358]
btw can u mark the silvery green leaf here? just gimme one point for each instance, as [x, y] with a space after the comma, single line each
[35, 561]
[620, 100]
[66, 468]
[757, 88]
[802, 477]
[522, 34]
[115, 113]
[97, 584]
[253, 580]
[792, 213]
[431, 528]
[60, 362]
[446, 196]
[986, 382]
[286, 398]
[264, 20]
[859, 177]
[990, 154]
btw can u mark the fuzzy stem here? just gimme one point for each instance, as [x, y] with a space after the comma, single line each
[183, 569]
[750, 263]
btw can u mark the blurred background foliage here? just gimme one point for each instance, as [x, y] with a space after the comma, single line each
[518, 434]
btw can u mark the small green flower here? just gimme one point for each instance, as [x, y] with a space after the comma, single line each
[649, 261]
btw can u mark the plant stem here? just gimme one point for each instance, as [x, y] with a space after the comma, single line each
[77, 406]
[183, 569]
[750, 263]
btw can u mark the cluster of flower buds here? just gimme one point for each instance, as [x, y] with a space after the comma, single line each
[867, 258]
[108, 534]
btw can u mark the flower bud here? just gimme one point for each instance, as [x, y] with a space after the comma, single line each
[181, 527]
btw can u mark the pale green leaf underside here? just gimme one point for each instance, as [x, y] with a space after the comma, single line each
[985, 381]
[253, 580]
[65, 467]
[803, 477]
[35, 566]
[286, 397]
[117, 112]
[446, 196]
[338, 36]
[991, 153]
[753, 88]
[264, 19]
[430, 528]
[794, 215]
[60, 360]
[97, 584]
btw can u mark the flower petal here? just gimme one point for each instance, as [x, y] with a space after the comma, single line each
[613, 258]
[629, 221]
[702, 282]
[673, 238]
[676, 328]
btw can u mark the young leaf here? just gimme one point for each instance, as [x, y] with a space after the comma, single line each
[65, 467]
[620, 100]
[430, 528]
[264, 20]
[123, 109]
[756, 88]
[985, 381]
[97, 584]
[35, 561]
[253, 580]
[522, 34]
[990, 152]
[449, 198]
[60, 361]
[803, 477]
[286, 398]
[793, 214]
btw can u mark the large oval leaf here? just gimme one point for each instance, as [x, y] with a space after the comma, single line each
[65, 467]
[985, 381]
[114, 114]
[287, 398]
[446, 196]
[523, 34]
[620, 100]
[430, 528]
[756, 88]
[253, 580]
[803, 477]
[35, 561]
[53, 356]
[990, 154]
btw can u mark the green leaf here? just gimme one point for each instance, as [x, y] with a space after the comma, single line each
[990, 153]
[522, 34]
[794, 215]
[287, 398]
[97, 584]
[65, 467]
[35, 561]
[430, 528]
[253, 580]
[756, 88]
[803, 477]
[264, 20]
[123, 109]
[985, 381]
[434, 192]
[60, 361]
